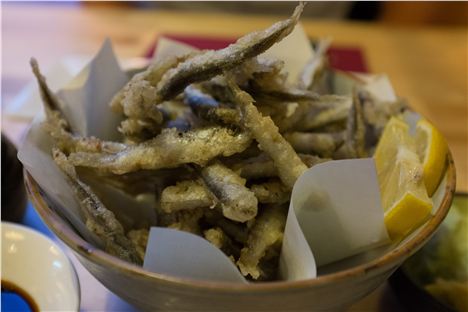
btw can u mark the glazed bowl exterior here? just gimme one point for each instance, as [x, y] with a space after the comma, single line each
[155, 292]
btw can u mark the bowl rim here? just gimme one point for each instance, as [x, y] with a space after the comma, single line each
[73, 240]
[31, 232]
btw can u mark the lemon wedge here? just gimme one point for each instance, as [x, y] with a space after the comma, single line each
[432, 150]
[400, 173]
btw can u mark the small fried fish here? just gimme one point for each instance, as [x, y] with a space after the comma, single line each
[211, 63]
[169, 149]
[322, 144]
[266, 233]
[99, 219]
[271, 192]
[265, 132]
[186, 195]
[237, 202]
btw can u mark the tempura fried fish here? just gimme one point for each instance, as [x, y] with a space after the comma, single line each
[355, 136]
[265, 132]
[271, 192]
[186, 195]
[99, 219]
[140, 239]
[266, 233]
[183, 220]
[262, 166]
[137, 101]
[211, 63]
[220, 239]
[322, 144]
[58, 127]
[237, 202]
[315, 65]
[169, 149]
[206, 107]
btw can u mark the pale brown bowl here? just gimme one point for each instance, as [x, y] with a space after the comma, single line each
[151, 291]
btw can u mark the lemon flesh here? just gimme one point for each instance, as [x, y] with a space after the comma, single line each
[432, 150]
[400, 172]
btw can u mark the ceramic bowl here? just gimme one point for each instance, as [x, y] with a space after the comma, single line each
[330, 291]
[37, 265]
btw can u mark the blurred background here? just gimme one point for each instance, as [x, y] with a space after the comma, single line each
[407, 13]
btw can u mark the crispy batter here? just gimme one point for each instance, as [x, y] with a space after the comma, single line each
[218, 237]
[263, 129]
[305, 115]
[183, 220]
[312, 160]
[215, 236]
[235, 230]
[271, 192]
[322, 144]
[355, 136]
[266, 233]
[262, 166]
[140, 240]
[206, 107]
[315, 65]
[99, 219]
[264, 73]
[211, 63]
[170, 149]
[238, 203]
[186, 195]
[137, 101]
[326, 110]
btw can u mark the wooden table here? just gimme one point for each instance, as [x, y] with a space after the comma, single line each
[428, 66]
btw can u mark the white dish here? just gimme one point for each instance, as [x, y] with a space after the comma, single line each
[38, 266]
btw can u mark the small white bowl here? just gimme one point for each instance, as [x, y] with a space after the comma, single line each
[38, 266]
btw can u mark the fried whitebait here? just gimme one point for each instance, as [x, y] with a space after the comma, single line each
[256, 167]
[322, 144]
[235, 230]
[305, 115]
[265, 132]
[262, 166]
[58, 127]
[183, 220]
[237, 202]
[263, 73]
[206, 107]
[315, 65]
[355, 136]
[169, 149]
[217, 237]
[140, 239]
[271, 192]
[137, 100]
[327, 109]
[211, 63]
[266, 233]
[186, 195]
[100, 220]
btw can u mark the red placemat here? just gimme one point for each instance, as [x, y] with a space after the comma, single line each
[341, 58]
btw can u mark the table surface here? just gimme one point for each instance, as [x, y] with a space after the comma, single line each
[427, 66]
